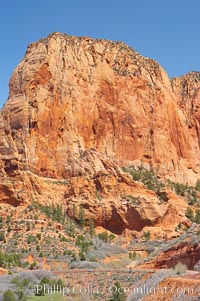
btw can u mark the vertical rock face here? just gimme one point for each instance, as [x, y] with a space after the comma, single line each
[187, 90]
[72, 94]
[81, 107]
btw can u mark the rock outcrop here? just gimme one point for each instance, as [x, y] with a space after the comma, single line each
[184, 249]
[184, 252]
[81, 108]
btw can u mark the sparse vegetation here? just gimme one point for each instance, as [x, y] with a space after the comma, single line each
[105, 237]
[9, 296]
[147, 177]
[152, 182]
[118, 293]
[55, 212]
[10, 260]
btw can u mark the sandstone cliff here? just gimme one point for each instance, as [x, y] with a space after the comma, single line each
[80, 108]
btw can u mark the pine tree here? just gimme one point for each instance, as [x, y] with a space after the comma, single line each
[82, 216]
[92, 228]
[74, 211]
[28, 226]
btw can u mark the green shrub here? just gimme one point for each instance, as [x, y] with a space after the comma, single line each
[9, 296]
[103, 236]
[197, 187]
[147, 235]
[82, 216]
[82, 256]
[132, 255]
[118, 293]
[33, 265]
[91, 228]
[55, 212]
[21, 296]
[39, 235]
[2, 236]
[180, 268]
[189, 214]
[197, 216]
[31, 239]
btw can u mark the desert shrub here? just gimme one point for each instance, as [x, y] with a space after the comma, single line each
[21, 296]
[82, 256]
[33, 265]
[147, 235]
[83, 244]
[9, 296]
[197, 216]
[105, 237]
[26, 281]
[117, 293]
[5, 284]
[31, 239]
[180, 268]
[40, 274]
[2, 235]
[132, 199]
[57, 284]
[132, 255]
[197, 186]
[39, 235]
[189, 214]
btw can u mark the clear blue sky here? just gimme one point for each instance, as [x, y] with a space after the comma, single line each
[165, 30]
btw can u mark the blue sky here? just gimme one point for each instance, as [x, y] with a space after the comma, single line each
[165, 30]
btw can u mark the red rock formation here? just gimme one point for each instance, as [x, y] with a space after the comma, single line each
[71, 94]
[185, 249]
[78, 108]
[187, 90]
